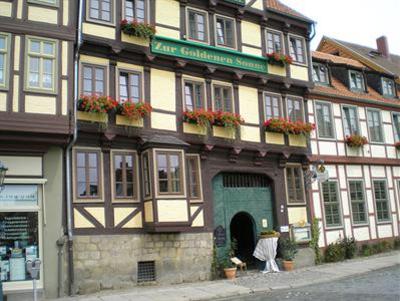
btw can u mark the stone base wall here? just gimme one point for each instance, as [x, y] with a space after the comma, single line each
[110, 261]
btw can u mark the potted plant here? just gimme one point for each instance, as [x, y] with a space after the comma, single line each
[229, 268]
[356, 140]
[138, 29]
[288, 250]
[276, 58]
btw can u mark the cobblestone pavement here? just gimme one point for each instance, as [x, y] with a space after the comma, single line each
[381, 285]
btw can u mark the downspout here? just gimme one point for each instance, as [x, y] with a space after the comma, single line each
[69, 149]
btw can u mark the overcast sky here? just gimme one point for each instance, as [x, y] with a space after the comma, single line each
[357, 21]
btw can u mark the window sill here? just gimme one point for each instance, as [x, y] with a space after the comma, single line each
[99, 22]
[328, 228]
[386, 222]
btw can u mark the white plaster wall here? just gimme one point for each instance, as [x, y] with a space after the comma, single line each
[327, 148]
[354, 171]
[385, 231]
[372, 226]
[361, 234]
[378, 171]
[378, 151]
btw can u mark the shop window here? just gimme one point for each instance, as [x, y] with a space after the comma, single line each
[88, 175]
[388, 87]
[357, 199]
[41, 64]
[194, 95]
[381, 201]
[295, 185]
[101, 10]
[356, 80]
[93, 80]
[125, 176]
[320, 74]
[130, 84]
[19, 231]
[135, 10]
[193, 164]
[4, 59]
[274, 41]
[350, 120]
[297, 49]
[169, 172]
[146, 175]
[294, 109]
[197, 25]
[223, 98]
[272, 106]
[225, 31]
[324, 120]
[374, 125]
[396, 126]
[330, 196]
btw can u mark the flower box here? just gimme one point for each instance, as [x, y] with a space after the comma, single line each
[356, 141]
[138, 29]
[135, 40]
[274, 138]
[224, 132]
[92, 117]
[126, 121]
[277, 70]
[279, 59]
[190, 128]
[297, 140]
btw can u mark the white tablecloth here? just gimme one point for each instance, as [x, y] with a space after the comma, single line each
[266, 251]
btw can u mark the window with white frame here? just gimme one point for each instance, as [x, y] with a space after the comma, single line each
[324, 119]
[272, 105]
[374, 125]
[274, 41]
[223, 98]
[295, 185]
[294, 108]
[388, 87]
[396, 126]
[225, 32]
[350, 120]
[381, 200]
[197, 25]
[101, 10]
[356, 80]
[93, 80]
[41, 64]
[330, 195]
[130, 84]
[297, 49]
[135, 10]
[357, 199]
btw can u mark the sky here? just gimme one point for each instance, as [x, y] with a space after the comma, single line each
[356, 21]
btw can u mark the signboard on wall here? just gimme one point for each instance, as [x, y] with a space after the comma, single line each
[19, 195]
[220, 236]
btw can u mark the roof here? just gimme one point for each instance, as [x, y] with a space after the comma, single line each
[277, 6]
[336, 59]
[391, 64]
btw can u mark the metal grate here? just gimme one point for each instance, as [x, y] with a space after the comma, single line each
[146, 271]
[234, 180]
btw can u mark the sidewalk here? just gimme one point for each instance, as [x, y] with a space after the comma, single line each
[251, 282]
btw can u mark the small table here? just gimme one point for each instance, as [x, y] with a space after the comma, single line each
[266, 251]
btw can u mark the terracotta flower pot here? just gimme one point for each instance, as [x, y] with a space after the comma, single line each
[230, 273]
[288, 265]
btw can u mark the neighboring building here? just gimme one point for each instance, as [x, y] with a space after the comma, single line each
[36, 80]
[149, 194]
[361, 198]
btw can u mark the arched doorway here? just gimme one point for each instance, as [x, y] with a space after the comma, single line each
[242, 230]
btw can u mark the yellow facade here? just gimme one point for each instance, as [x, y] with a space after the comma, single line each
[5, 9]
[3, 101]
[277, 70]
[163, 121]
[274, 138]
[40, 104]
[134, 40]
[92, 117]
[298, 140]
[297, 215]
[299, 72]
[64, 97]
[163, 94]
[15, 100]
[168, 32]
[65, 12]
[97, 213]
[148, 212]
[168, 12]
[41, 14]
[223, 132]
[250, 133]
[248, 104]
[17, 49]
[189, 128]
[251, 50]
[123, 120]
[99, 30]
[172, 210]
[251, 33]
[80, 221]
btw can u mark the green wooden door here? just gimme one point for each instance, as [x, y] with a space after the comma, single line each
[242, 194]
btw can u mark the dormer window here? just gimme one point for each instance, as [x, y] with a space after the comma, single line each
[320, 74]
[356, 80]
[387, 87]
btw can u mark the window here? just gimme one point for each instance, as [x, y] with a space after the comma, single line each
[297, 51]
[135, 10]
[169, 172]
[146, 175]
[194, 95]
[320, 74]
[46, 2]
[130, 86]
[388, 87]
[330, 196]
[87, 174]
[225, 32]
[274, 42]
[381, 200]
[197, 25]
[272, 106]
[350, 121]
[396, 126]
[223, 98]
[295, 185]
[41, 64]
[374, 125]
[356, 81]
[4, 46]
[194, 176]
[124, 165]
[101, 10]
[357, 199]
[324, 120]
[93, 80]
[294, 109]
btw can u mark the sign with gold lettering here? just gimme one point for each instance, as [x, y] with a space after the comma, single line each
[208, 54]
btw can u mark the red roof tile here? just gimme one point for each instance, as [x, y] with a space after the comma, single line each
[280, 7]
[336, 59]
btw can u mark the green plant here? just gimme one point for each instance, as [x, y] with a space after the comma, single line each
[288, 249]
[335, 252]
[396, 244]
[233, 248]
[350, 247]
[138, 29]
[366, 250]
[215, 264]
[315, 232]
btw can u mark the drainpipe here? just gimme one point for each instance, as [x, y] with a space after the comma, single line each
[69, 149]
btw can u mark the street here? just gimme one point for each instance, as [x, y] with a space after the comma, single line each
[381, 285]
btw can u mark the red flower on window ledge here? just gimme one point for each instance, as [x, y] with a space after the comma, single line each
[133, 110]
[227, 119]
[138, 29]
[356, 140]
[199, 117]
[276, 58]
[96, 104]
[281, 125]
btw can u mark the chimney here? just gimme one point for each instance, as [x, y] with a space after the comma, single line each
[383, 47]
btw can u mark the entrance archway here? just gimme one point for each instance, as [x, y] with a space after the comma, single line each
[242, 230]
